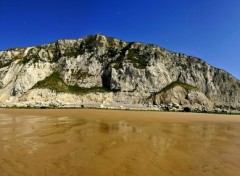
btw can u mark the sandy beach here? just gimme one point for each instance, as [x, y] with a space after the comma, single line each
[90, 142]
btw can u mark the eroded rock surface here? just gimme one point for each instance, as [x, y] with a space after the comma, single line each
[98, 70]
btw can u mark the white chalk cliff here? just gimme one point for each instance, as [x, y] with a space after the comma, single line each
[107, 72]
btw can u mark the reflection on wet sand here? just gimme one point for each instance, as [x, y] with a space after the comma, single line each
[88, 143]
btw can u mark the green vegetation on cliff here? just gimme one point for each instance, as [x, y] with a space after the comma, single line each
[139, 60]
[56, 83]
[178, 83]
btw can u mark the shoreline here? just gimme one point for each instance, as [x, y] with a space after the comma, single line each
[140, 116]
[136, 109]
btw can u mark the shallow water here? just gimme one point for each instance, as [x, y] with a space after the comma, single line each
[94, 142]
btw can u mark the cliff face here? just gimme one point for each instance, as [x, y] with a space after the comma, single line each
[97, 70]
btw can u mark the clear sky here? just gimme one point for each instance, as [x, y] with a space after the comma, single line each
[208, 29]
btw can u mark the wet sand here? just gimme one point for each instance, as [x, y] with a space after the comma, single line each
[118, 143]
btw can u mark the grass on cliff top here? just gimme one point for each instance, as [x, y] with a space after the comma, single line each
[56, 83]
[178, 83]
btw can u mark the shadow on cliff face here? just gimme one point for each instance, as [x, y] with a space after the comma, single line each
[107, 81]
[106, 78]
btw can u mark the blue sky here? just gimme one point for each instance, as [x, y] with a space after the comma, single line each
[208, 29]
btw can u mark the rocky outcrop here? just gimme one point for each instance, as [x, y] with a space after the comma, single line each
[98, 70]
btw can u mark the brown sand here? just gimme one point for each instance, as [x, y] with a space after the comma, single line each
[104, 142]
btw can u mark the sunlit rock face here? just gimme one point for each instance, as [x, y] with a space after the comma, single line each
[98, 70]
